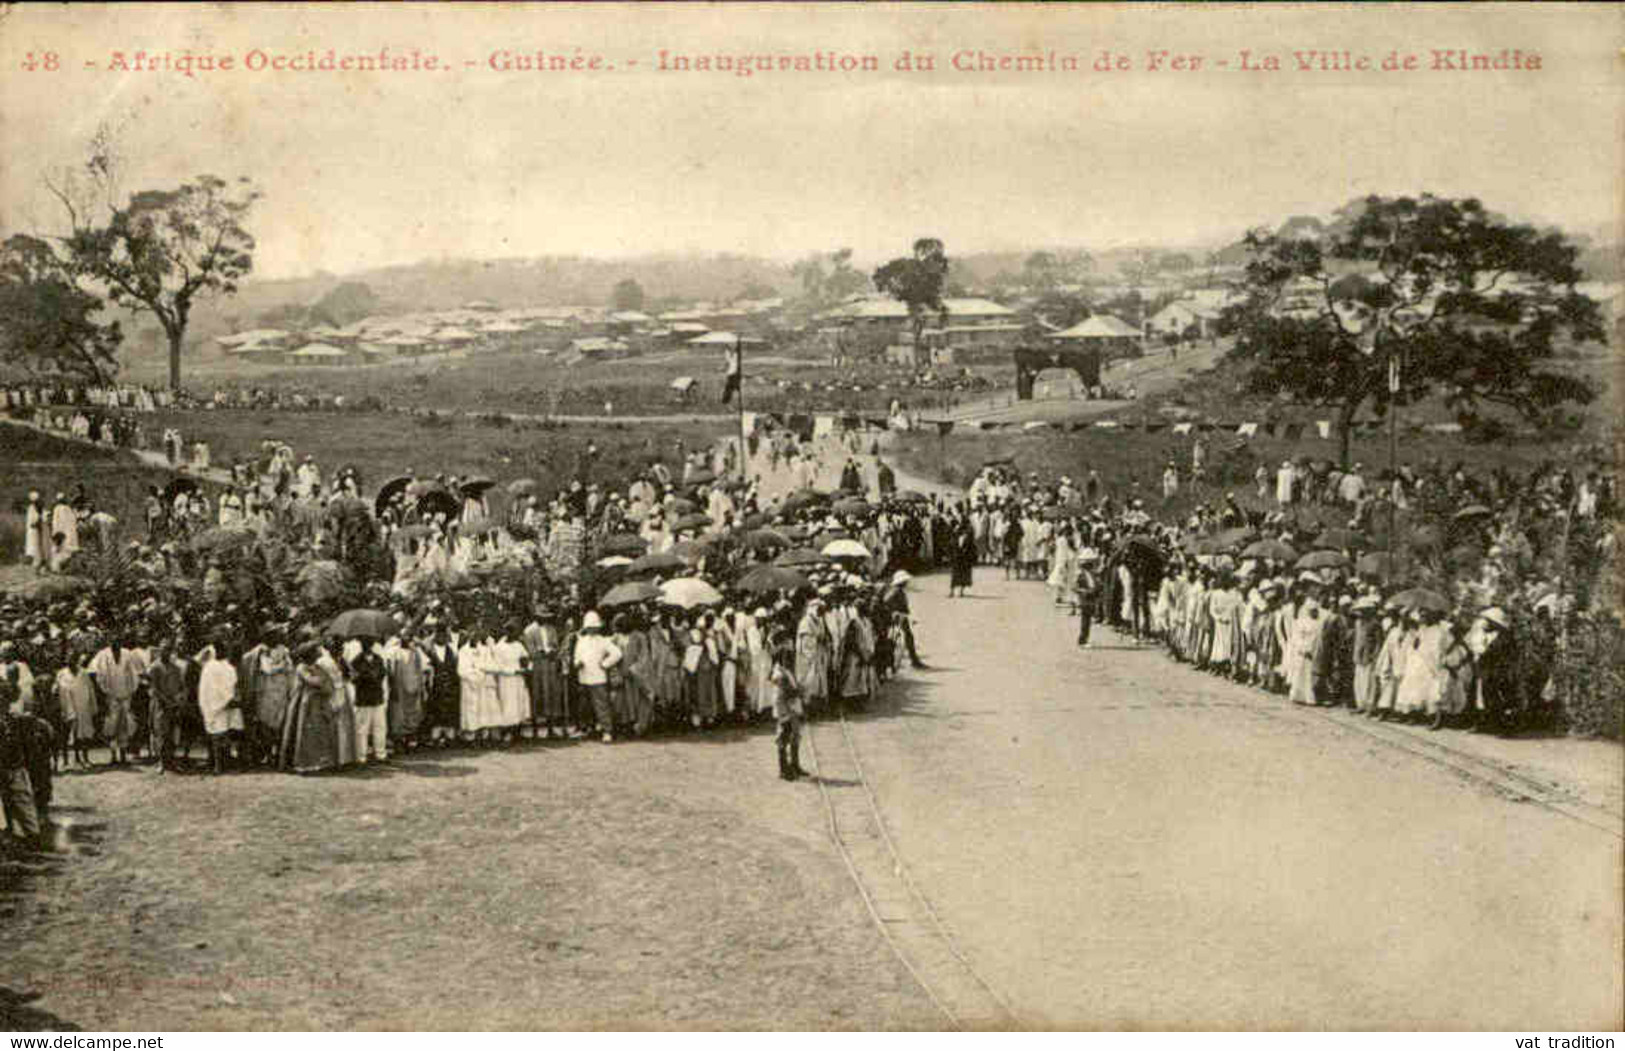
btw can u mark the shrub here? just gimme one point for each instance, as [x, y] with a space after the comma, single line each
[13, 535]
[1592, 698]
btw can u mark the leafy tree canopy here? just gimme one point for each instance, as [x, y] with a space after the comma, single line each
[165, 249]
[1468, 303]
[48, 324]
[628, 295]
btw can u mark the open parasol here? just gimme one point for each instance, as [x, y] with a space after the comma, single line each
[1322, 560]
[389, 491]
[1240, 536]
[1422, 598]
[438, 502]
[909, 496]
[804, 498]
[629, 594]
[700, 476]
[1377, 563]
[689, 592]
[773, 579]
[659, 563]
[1472, 511]
[853, 505]
[845, 549]
[1277, 550]
[321, 581]
[691, 550]
[765, 540]
[475, 487]
[370, 623]
[523, 486]
[680, 505]
[692, 521]
[624, 544]
[1338, 539]
[347, 507]
[800, 556]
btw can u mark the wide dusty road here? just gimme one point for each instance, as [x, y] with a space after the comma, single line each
[1118, 841]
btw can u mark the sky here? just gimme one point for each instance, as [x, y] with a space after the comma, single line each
[366, 169]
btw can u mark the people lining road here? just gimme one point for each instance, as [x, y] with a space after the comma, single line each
[287, 622]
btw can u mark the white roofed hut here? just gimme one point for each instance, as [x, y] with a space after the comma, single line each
[1111, 337]
[319, 354]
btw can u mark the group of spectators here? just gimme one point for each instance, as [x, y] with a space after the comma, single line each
[318, 628]
[1460, 623]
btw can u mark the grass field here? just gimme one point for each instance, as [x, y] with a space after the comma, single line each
[381, 445]
[523, 382]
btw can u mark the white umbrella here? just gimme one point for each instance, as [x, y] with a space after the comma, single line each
[845, 549]
[689, 592]
[614, 560]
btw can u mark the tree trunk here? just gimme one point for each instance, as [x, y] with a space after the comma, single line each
[175, 336]
[1345, 416]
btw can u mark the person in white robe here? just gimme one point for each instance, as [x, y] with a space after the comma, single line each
[509, 664]
[473, 660]
[217, 699]
[37, 545]
[1302, 643]
[64, 531]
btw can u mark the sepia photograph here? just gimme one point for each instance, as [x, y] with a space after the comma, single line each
[776, 518]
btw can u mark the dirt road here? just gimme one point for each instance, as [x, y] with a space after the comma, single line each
[1118, 841]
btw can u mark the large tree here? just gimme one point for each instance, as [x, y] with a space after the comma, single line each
[1454, 299]
[917, 280]
[163, 250]
[346, 303]
[628, 295]
[48, 324]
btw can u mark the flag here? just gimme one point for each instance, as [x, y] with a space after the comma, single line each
[730, 386]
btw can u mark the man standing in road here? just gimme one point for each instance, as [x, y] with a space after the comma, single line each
[367, 671]
[885, 479]
[593, 657]
[117, 671]
[1086, 585]
[896, 603]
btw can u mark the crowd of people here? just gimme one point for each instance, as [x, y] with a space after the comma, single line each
[1460, 626]
[286, 622]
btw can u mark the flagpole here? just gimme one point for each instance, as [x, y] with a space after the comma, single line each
[1393, 455]
[739, 362]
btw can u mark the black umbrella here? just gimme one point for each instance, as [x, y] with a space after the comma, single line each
[177, 486]
[629, 544]
[773, 578]
[439, 502]
[476, 487]
[390, 490]
[800, 556]
[660, 563]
